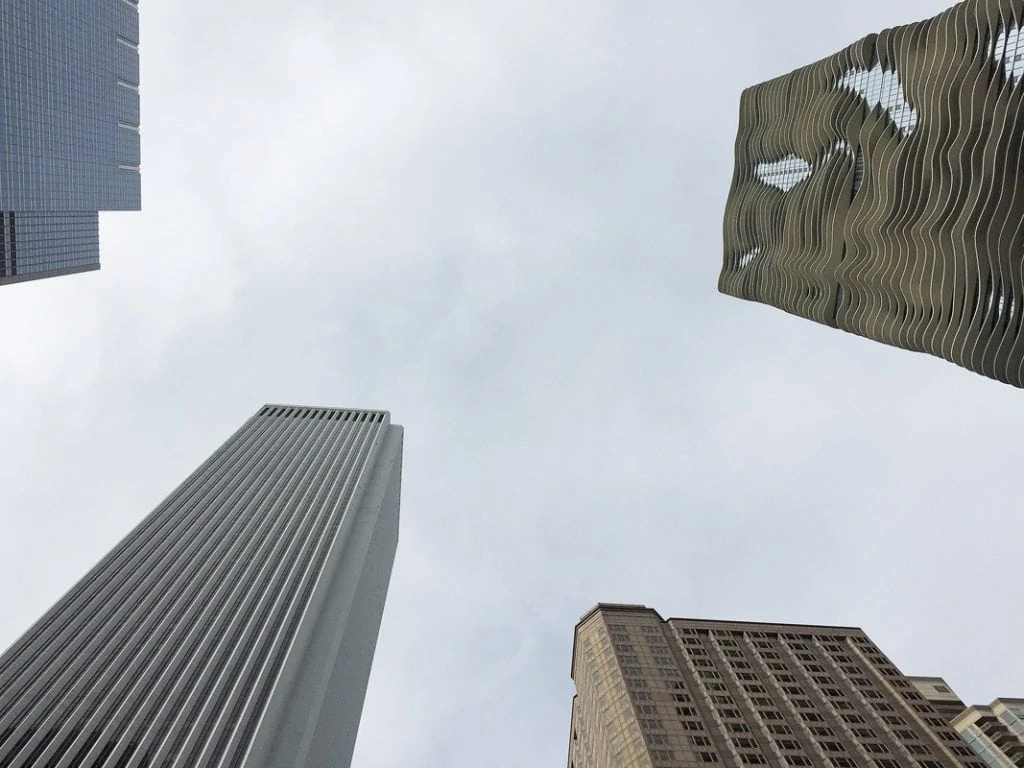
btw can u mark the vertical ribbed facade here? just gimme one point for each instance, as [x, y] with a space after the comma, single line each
[69, 130]
[690, 693]
[880, 190]
[235, 626]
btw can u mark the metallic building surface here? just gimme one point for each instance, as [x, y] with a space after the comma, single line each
[69, 130]
[880, 190]
[684, 693]
[236, 625]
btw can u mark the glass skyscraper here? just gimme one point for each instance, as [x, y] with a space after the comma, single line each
[236, 625]
[69, 130]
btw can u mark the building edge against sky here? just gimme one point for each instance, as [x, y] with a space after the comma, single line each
[995, 732]
[314, 719]
[679, 693]
[237, 623]
[879, 190]
[69, 131]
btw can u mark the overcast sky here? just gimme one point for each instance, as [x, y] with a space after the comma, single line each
[502, 222]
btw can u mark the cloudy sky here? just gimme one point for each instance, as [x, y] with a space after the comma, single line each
[502, 222]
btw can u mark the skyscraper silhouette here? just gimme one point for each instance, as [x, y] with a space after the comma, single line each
[236, 625]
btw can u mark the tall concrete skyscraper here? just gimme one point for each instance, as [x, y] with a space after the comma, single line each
[69, 130]
[236, 625]
[684, 693]
[881, 191]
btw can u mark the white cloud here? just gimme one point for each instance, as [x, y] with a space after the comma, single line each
[504, 225]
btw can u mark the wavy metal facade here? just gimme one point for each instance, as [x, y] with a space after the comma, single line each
[880, 190]
[235, 626]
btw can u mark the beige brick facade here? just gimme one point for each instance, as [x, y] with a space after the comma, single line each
[684, 693]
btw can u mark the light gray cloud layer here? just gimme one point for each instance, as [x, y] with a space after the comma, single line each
[502, 222]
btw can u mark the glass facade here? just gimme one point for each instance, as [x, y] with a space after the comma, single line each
[995, 733]
[785, 173]
[1009, 51]
[881, 87]
[69, 129]
[985, 748]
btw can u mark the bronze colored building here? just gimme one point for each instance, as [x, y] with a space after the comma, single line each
[684, 693]
[880, 190]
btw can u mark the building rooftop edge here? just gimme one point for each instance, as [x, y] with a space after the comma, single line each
[765, 623]
[602, 607]
[634, 607]
[640, 608]
[323, 408]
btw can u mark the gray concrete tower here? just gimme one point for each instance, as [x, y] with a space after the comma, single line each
[236, 625]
